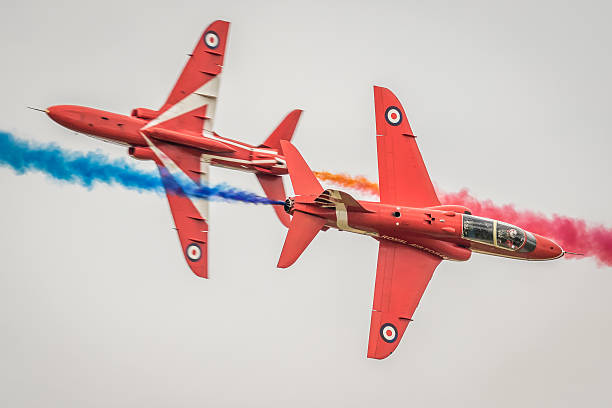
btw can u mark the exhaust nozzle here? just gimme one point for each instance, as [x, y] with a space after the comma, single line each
[288, 205]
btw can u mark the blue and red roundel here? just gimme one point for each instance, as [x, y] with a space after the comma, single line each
[393, 115]
[388, 332]
[193, 252]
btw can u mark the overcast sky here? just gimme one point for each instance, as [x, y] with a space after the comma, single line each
[97, 305]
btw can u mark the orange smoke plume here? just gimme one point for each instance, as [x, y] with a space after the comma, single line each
[572, 234]
[359, 183]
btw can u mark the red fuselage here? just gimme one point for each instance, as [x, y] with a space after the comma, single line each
[449, 232]
[127, 130]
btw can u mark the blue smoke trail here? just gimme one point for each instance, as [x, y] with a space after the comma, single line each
[183, 185]
[86, 169]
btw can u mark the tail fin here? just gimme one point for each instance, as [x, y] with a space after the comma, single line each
[275, 190]
[284, 131]
[303, 180]
[303, 229]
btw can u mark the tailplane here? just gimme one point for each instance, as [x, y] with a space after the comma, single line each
[275, 190]
[303, 179]
[303, 229]
[284, 131]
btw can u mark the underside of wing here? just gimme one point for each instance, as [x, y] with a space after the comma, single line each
[191, 225]
[402, 274]
[178, 167]
[192, 102]
[205, 62]
[402, 174]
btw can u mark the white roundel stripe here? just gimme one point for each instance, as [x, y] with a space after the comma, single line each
[194, 252]
[388, 332]
[393, 115]
[211, 39]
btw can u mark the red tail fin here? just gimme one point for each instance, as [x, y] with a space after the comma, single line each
[284, 131]
[302, 231]
[303, 180]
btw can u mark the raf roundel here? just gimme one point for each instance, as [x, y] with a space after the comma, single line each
[388, 332]
[393, 116]
[194, 252]
[211, 39]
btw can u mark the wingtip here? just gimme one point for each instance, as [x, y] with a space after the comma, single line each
[283, 264]
[219, 21]
[293, 117]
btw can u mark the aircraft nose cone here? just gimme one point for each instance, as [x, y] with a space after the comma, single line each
[547, 249]
[65, 115]
[55, 112]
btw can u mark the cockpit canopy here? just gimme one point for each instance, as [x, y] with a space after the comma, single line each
[497, 233]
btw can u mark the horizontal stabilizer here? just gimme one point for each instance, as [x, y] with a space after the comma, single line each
[302, 231]
[284, 131]
[303, 180]
[275, 190]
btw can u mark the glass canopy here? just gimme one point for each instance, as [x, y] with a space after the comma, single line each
[497, 233]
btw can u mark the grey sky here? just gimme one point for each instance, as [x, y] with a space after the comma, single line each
[97, 307]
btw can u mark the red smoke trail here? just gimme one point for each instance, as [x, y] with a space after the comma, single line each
[571, 233]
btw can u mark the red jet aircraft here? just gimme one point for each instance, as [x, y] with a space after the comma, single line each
[179, 137]
[415, 232]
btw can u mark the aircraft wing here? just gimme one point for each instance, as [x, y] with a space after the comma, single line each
[190, 213]
[197, 87]
[402, 175]
[402, 274]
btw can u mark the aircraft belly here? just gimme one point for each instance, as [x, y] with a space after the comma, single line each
[108, 140]
[232, 165]
[443, 247]
[495, 251]
[401, 233]
[249, 166]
